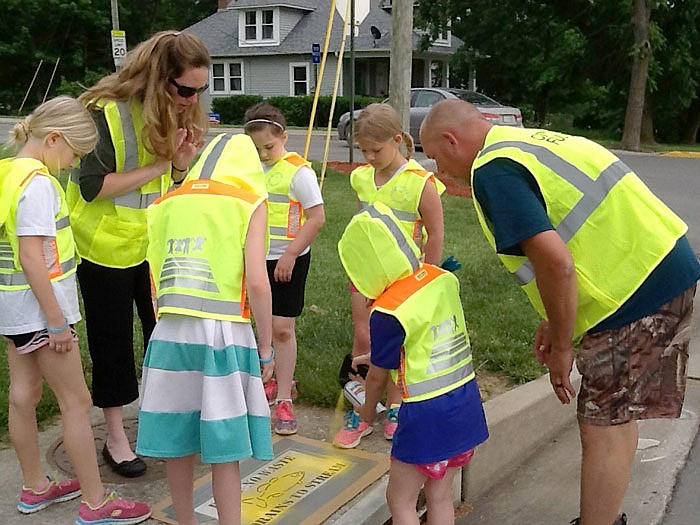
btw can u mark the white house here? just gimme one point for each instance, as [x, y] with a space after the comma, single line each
[264, 47]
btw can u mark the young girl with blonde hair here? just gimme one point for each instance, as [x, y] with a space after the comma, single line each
[393, 178]
[39, 306]
[151, 125]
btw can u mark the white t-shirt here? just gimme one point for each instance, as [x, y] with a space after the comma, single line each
[20, 312]
[304, 189]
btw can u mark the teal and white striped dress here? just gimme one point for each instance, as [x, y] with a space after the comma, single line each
[201, 392]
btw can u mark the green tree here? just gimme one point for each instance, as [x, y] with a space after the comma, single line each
[71, 41]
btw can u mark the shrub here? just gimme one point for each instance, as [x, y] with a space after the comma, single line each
[231, 109]
[297, 110]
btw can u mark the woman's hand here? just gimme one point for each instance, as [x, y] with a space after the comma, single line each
[187, 145]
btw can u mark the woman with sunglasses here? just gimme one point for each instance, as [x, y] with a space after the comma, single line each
[151, 125]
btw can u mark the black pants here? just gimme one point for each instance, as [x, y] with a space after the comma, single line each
[109, 295]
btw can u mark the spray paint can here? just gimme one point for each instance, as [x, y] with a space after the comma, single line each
[354, 392]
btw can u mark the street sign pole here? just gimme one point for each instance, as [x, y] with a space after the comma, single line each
[118, 37]
[352, 82]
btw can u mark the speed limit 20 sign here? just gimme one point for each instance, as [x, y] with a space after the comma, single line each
[118, 46]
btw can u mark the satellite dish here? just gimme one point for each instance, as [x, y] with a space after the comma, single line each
[376, 33]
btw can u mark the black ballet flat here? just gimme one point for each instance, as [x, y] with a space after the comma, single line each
[129, 469]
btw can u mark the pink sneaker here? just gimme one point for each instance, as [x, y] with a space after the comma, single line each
[113, 511]
[352, 433]
[31, 500]
[285, 420]
[391, 421]
[271, 391]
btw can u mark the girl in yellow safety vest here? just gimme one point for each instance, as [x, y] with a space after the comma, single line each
[295, 217]
[39, 306]
[413, 194]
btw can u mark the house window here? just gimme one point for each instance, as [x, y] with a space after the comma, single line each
[227, 77]
[299, 78]
[259, 27]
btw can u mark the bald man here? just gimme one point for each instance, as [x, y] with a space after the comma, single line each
[602, 260]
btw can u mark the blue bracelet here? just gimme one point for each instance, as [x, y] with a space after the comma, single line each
[269, 359]
[57, 330]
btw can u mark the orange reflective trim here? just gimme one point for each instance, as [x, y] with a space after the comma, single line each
[295, 159]
[51, 256]
[421, 172]
[401, 379]
[402, 289]
[245, 307]
[294, 219]
[29, 177]
[210, 187]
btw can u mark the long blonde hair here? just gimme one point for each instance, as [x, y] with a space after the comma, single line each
[380, 122]
[145, 76]
[64, 115]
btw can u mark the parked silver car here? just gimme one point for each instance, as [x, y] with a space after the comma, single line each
[422, 99]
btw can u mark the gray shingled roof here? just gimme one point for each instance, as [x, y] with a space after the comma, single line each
[220, 31]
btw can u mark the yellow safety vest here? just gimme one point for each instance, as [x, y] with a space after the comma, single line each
[196, 250]
[436, 355]
[285, 216]
[15, 175]
[233, 160]
[401, 193]
[616, 229]
[112, 232]
[376, 251]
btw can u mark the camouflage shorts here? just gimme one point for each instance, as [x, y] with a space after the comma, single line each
[637, 371]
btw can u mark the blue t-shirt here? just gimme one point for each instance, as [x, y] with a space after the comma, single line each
[435, 429]
[514, 206]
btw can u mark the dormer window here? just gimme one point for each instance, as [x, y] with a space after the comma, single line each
[259, 27]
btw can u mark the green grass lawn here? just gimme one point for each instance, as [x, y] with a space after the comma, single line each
[501, 322]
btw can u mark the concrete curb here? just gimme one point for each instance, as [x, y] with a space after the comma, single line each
[520, 421]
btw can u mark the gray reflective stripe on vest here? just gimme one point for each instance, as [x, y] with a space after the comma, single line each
[210, 162]
[278, 244]
[443, 364]
[19, 279]
[62, 223]
[278, 230]
[278, 197]
[448, 345]
[396, 232]
[133, 199]
[437, 383]
[7, 256]
[178, 281]
[136, 200]
[594, 192]
[131, 149]
[186, 262]
[400, 214]
[199, 304]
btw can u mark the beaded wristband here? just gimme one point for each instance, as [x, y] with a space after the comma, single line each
[57, 330]
[269, 359]
[179, 170]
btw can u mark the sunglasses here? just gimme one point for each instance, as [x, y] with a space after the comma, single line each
[187, 91]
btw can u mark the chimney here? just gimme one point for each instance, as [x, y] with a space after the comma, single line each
[223, 4]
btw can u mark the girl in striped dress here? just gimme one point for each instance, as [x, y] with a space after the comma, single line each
[202, 387]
